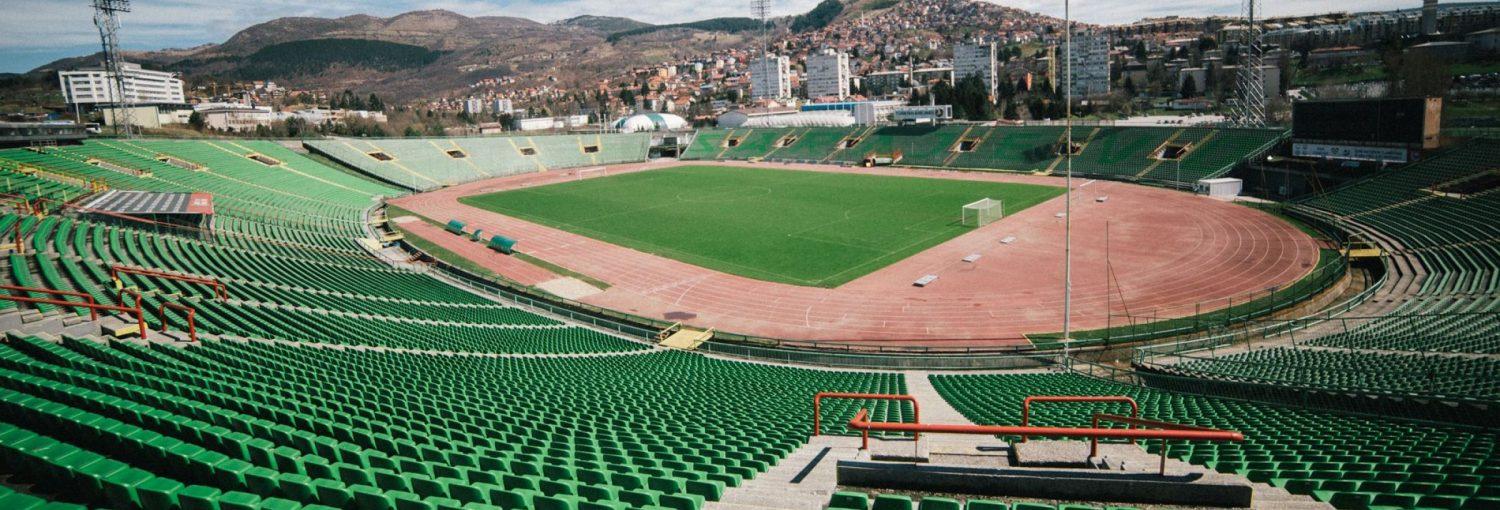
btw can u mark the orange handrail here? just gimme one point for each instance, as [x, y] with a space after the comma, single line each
[93, 315]
[140, 318]
[120, 296]
[220, 290]
[916, 409]
[161, 311]
[1098, 417]
[862, 422]
[1135, 409]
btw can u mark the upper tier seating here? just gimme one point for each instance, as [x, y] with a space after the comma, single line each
[1375, 372]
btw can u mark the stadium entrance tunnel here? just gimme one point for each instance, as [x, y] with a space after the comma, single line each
[380, 156]
[456, 154]
[850, 142]
[732, 142]
[966, 145]
[1173, 152]
[590, 149]
[786, 141]
[264, 160]
[528, 151]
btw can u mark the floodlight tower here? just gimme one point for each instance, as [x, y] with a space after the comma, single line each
[1249, 108]
[106, 17]
[761, 10]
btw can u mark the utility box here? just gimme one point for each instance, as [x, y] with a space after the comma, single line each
[1224, 187]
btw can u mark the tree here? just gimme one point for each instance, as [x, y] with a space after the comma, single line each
[1140, 51]
[411, 131]
[1010, 110]
[1129, 86]
[296, 127]
[196, 121]
[375, 104]
[1189, 87]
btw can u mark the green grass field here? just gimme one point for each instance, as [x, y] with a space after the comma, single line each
[803, 228]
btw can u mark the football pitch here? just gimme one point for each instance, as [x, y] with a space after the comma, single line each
[798, 227]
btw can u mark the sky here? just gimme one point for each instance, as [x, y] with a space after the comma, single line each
[39, 31]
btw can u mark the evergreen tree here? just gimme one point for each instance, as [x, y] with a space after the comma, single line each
[1189, 87]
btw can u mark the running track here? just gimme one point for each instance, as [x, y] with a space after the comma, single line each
[1169, 251]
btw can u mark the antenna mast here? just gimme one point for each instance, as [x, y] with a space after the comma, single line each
[106, 17]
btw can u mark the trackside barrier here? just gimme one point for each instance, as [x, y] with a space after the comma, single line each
[161, 311]
[916, 409]
[220, 290]
[93, 307]
[1135, 409]
[862, 422]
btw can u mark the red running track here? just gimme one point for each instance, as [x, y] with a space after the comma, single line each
[1173, 254]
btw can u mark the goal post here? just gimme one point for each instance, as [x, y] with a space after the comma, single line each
[982, 212]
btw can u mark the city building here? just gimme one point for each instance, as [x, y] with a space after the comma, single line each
[971, 59]
[828, 75]
[1090, 59]
[771, 78]
[95, 86]
[502, 106]
[885, 82]
[473, 106]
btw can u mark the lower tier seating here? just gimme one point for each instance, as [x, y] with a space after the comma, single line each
[233, 426]
[1351, 461]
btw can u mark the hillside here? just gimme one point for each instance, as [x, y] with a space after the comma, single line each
[438, 53]
[602, 24]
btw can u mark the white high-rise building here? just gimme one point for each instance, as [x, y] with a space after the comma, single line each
[1090, 57]
[501, 106]
[971, 59]
[142, 87]
[828, 75]
[771, 77]
[473, 106]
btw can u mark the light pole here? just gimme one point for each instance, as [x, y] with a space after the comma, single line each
[1068, 191]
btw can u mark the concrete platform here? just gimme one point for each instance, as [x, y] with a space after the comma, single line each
[1194, 489]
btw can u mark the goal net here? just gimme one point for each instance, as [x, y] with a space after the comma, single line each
[982, 212]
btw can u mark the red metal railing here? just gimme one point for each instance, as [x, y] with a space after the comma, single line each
[220, 290]
[94, 308]
[161, 311]
[93, 314]
[136, 295]
[916, 410]
[1132, 422]
[1135, 409]
[862, 422]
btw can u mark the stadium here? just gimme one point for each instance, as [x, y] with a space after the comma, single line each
[564, 322]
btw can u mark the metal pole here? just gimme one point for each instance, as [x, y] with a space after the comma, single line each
[1068, 161]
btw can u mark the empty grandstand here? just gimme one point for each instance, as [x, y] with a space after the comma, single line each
[322, 376]
[423, 164]
[1168, 155]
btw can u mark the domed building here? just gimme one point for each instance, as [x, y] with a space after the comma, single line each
[650, 121]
